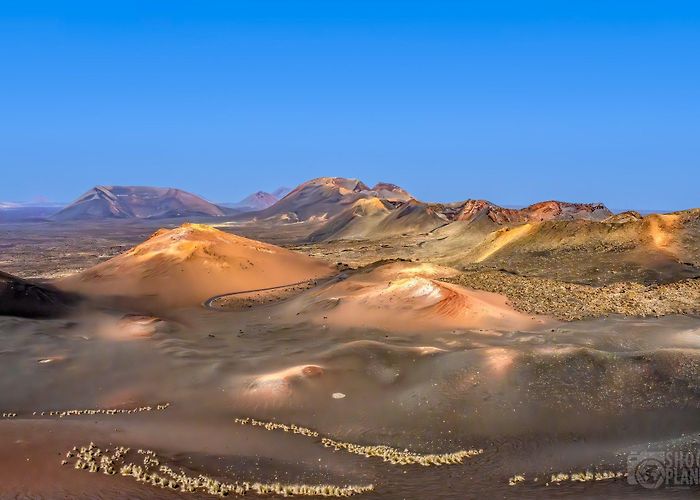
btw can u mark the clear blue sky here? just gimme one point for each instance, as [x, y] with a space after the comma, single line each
[510, 101]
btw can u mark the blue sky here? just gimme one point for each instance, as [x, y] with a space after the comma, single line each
[510, 101]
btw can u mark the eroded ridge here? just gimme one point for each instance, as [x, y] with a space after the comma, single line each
[386, 453]
[89, 411]
[150, 471]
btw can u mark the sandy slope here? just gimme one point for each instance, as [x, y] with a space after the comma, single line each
[374, 219]
[188, 264]
[408, 297]
[355, 222]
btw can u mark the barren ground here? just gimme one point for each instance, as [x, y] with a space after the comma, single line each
[568, 396]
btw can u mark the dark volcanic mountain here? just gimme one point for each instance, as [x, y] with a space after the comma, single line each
[19, 297]
[140, 202]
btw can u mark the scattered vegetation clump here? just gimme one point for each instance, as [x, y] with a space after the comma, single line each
[272, 426]
[92, 411]
[577, 477]
[399, 457]
[585, 476]
[386, 453]
[573, 301]
[518, 478]
[150, 471]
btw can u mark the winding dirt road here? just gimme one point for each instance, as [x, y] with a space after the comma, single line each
[210, 301]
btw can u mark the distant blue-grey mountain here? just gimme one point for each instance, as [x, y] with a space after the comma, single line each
[138, 202]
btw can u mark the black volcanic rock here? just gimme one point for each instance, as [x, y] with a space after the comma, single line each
[19, 297]
[140, 202]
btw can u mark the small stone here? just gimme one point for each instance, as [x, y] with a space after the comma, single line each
[338, 395]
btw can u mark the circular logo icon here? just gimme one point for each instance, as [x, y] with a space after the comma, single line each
[650, 473]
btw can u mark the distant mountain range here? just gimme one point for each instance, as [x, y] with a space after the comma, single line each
[648, 247]
[338, 207]
[15, 212]
[349, 208]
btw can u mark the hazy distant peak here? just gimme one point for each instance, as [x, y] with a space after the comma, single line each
[281, 192]
[256, 201]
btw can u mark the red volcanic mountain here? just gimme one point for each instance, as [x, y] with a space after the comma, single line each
[140, 202]
[479, 210]
[327, 196]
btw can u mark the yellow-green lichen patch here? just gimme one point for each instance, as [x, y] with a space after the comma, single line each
[386, 453]
[152, 472]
